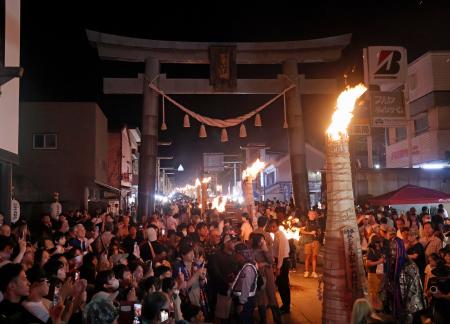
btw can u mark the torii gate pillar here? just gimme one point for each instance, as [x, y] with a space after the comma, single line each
[296, 137]
[149, 143]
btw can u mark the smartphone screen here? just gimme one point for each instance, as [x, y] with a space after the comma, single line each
[137, 310]
[164, 316]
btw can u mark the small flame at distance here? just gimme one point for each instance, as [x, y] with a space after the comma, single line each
[206, 180]
[219, 203]
[343, 113]
[197, 182]
[253, 170]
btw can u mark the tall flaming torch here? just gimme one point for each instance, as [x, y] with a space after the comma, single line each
[248, 175]
[344, 278]
[204, 186]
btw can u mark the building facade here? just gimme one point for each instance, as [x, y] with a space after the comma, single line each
[123, 164]
[63, 147]
[429, 102]
[276, 179]
[10, 72]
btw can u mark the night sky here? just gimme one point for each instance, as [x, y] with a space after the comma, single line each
[60, 64]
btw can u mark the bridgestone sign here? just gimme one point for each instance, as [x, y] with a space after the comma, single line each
[387, 109]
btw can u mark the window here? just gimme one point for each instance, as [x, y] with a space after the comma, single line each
[45, 141]
[421, 124]
[400, 133]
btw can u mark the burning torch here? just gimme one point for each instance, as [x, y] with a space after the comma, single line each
[248, 175]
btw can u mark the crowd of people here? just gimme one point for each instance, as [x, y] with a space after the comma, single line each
[185, 265]
[407, 261]
[178, 265]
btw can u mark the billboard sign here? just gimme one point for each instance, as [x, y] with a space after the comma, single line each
[385, 64]
[387, 109]
[212, 162]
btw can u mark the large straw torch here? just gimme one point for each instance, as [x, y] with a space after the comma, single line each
[248, 175]
[344, 277]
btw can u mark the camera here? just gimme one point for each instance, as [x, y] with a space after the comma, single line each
[434, 289]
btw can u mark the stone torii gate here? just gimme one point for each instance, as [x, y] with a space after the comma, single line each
[155, 52]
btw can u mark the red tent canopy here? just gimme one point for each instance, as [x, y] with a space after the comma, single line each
[409, 195]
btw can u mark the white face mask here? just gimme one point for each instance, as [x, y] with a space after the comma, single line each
[61, 274]
[184, 232]
[114, 284]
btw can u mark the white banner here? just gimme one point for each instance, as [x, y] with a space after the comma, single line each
[385, 64]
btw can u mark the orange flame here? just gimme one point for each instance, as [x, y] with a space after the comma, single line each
[206, 180]
[289, 230]
[197, 182]
[343, 113]
[253, 170]
[219, 203]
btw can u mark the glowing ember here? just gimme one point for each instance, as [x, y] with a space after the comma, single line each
[289, 229]
[197, 182]
[343, 113]
[205, 180]
[219, 203]
[253, 170]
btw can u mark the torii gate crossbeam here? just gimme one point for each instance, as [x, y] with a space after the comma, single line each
[155, 52]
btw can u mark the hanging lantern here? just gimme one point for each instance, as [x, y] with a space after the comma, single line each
[224, 135]
[186, 123]
[258, 122]
[202, 133]
[285, 125]
[242, 131]
[163, 126]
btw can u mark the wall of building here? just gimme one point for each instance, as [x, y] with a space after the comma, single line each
[101, 146]
[9, 98]
[374, 182]
[71, 167]
[114, 158]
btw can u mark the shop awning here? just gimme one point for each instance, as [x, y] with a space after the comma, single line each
[409, 195]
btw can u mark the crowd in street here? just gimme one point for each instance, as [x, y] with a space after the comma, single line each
[185, 265]
[179, 265]
[407, 260]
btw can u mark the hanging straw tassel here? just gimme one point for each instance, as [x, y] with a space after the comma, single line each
[258, 122]
[242, 131]
[186, 123]
[163, 125]
[224, 135]
[285, 125]
[202, 133]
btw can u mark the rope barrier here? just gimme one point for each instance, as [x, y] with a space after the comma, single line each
[215, 122]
